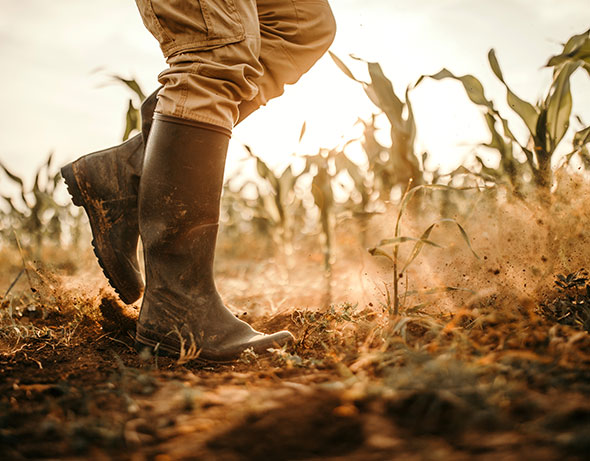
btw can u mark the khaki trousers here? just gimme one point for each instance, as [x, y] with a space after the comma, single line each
[228, 57]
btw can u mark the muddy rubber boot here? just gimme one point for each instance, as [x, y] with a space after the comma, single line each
[105, 183]
[182, 313]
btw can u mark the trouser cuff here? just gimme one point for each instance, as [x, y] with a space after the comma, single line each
[195, 123]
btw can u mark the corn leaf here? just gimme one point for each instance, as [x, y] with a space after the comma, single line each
[302, 132]
[408, 196]
[424, 237]
[321, 190]
[576, 42]
[372, 94]
[379, 252]
[418, 247]
[559, 105]
[497, 142]
[585, 156]
[472, 85]
[440, 289]
[463, 234]
[388, 100]
[576, 49]
[132, 85]
[343, 67]
[410, 122]
[582, 138]
[403, 239]
[523, 109]
[132, 120]
[264, 171]
[285, 184]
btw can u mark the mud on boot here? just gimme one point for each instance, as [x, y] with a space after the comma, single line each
[105, 184]
[182, 313]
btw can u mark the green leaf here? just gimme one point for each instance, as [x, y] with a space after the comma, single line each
[559, 105]
[497, 142]
[576, 49]
[264, 172]
[380, 252]
[472, 85]
[403, 239]
[407, 197]
[582, 138]
[523, 109]
[424, 237]
[418, 247]
[463, 234]
[132, 120]
[576, 42]
[132, 85]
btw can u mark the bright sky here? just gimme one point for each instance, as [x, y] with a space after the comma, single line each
[57, 57]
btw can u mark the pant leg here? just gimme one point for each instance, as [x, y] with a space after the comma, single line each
[228, 58]
[294, 35]
[212, 49]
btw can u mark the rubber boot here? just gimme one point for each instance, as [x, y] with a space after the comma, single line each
[106, 183]
[182, 313]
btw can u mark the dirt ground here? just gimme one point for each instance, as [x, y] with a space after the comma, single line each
[500, 376]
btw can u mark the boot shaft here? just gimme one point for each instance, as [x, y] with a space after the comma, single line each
[179, 199]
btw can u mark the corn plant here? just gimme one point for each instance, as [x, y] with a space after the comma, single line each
[398, 239]
[323, 169]
[576, 54]
[36, 216]
[547, 121]
[397, 165]
[275, 209]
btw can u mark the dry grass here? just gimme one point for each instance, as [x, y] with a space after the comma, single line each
[473, 373]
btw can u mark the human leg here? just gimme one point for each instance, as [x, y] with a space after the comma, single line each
[182, 312]
[293, 35]
[182, 179]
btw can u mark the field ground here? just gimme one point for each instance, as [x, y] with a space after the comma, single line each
[500, 372]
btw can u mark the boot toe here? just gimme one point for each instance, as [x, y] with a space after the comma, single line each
[261, 343]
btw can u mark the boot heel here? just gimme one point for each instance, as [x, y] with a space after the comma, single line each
[67, 172]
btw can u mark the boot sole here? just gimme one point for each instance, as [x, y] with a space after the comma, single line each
[78, 199]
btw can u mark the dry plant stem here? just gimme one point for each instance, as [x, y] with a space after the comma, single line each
[8, 291]
[14, 283]
[22, 255]
[396, 251]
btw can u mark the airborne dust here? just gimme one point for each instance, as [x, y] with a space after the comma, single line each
[471, 369]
